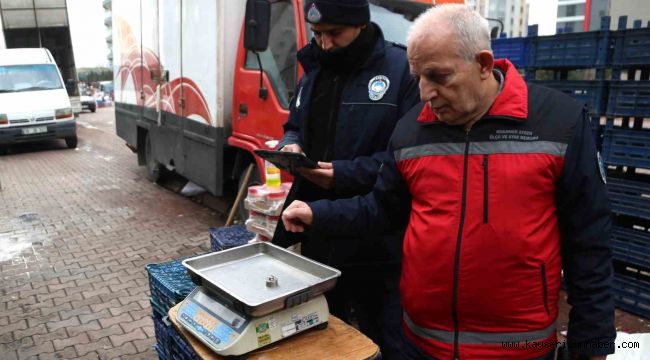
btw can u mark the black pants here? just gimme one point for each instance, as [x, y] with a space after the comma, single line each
[370, 295]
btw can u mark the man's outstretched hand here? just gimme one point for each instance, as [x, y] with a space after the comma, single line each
[297, 216]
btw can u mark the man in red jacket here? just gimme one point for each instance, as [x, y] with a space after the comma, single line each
[500, 187]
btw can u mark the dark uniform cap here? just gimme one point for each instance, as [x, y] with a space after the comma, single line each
[348, 12]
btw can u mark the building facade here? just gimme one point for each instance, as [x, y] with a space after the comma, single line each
[585, 15]
[510, 16]
[596, 9]
[633, 9]
[571, 15]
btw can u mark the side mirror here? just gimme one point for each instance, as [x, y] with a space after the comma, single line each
[257, 24]
[494, 33]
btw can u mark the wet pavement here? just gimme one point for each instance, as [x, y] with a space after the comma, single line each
[77, 228]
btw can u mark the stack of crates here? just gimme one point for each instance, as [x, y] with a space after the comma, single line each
[223, 238]
[623, 104]
[169, 284]
[571, 52]
[513, 49]
[626, 150]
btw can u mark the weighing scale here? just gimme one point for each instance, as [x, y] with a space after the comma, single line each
[254, 295]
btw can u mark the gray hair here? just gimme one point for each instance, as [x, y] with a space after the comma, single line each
[472, 30]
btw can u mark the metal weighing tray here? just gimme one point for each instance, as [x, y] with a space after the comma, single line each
[240, 277]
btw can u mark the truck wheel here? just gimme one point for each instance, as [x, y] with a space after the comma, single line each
[71, 142]
[155, 169]
[93, 109]
[242, 213]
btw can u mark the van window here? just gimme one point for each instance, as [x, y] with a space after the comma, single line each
[279, 60]
[17, 78]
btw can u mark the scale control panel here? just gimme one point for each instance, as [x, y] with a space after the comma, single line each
[211, 321]
[229, 333]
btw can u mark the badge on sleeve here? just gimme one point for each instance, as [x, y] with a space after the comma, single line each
[314, 15]
[601, 167]
[377, 87]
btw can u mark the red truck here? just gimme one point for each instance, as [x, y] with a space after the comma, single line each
[190, 97]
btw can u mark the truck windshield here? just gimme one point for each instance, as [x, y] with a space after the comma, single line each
[395, 17]
[18, 78]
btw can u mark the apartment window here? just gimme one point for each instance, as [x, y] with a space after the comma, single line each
[571, 26]
[571, 10]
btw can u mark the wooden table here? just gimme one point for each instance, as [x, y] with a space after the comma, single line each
[338, 341]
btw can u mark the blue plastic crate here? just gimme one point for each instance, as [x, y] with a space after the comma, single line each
[572, 50]
[513, 49]
[626, 147]
[632, 294]
[181, 350]
[163, 332]
[169, 283]
[158, 310]
[629, 197]
[593, 93]
[161, 353]
[631, 246]
[228, 237]
[631, 47]
[629, 98]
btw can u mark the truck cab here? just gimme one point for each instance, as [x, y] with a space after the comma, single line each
[260, 108]
[191, 98]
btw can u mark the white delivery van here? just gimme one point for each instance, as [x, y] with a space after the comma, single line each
[34, 103]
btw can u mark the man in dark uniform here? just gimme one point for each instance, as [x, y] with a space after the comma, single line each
[355, 87]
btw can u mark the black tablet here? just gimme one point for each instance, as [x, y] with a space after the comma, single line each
[287, 161]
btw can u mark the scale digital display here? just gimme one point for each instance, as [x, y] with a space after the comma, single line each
[228, 316]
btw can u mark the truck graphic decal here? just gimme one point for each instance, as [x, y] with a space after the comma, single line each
[132, 68]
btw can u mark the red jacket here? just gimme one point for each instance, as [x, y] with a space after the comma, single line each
[492, 211]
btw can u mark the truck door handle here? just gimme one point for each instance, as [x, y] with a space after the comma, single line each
[243, 109]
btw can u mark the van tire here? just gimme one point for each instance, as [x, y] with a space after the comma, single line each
[71, 142]
[242, 212]
[154, 168]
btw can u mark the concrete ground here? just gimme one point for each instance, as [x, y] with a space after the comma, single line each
[77, 228]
